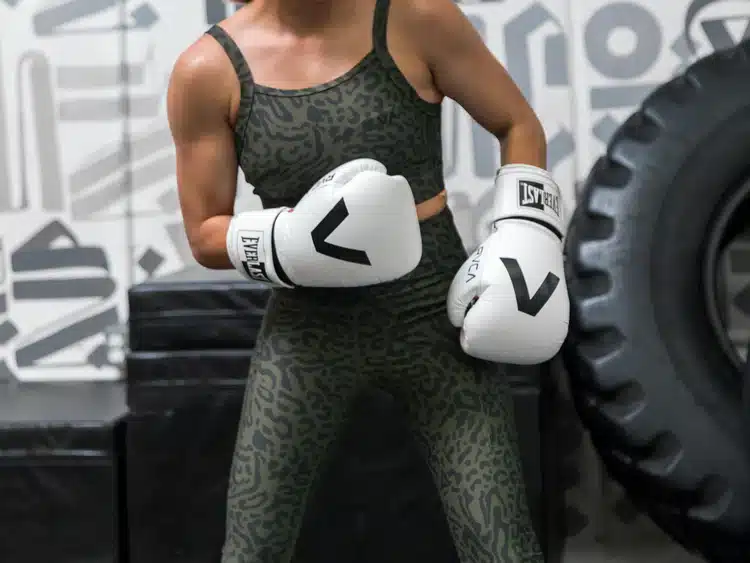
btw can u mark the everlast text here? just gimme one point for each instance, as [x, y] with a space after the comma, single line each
[252, 263]
[533, 194]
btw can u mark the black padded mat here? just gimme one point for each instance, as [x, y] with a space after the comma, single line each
[45, 417]
[60, 448]
[192, 367]
[178, 472]
[163, 381]
[196, 309]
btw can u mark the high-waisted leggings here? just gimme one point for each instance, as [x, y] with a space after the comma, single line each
[317, 350]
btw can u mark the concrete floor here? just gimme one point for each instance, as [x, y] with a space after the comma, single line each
[655, 548]
[606, 526]
[640, 555]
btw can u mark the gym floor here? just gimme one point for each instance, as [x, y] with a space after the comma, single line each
[610, 540]
[603, 526]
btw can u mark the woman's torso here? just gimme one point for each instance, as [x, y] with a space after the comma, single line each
[288, 139]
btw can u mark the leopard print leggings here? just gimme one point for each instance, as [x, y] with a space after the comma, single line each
[316, 351]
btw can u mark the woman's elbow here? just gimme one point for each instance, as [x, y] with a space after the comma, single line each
[202, 256]
[208, 255]
[208, 244]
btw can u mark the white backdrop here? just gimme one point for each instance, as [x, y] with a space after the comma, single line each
[88, 204]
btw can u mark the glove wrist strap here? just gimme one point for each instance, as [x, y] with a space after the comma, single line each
[527, 192]
[251, 249]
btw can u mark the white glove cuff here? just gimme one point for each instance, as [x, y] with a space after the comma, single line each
[250, 246]
[523, 191]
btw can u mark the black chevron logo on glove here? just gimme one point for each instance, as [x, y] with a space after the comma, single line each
[328, 225]
[526, 304]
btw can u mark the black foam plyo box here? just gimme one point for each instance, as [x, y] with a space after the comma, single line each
[180, 441]
[195, 311]
[526, 388]
[191, 340]
[60, 458]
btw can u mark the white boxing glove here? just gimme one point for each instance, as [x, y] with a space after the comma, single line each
[356, 226]
[510, 297]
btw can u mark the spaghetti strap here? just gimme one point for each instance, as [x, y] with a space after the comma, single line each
[245, 77]
[380, 28]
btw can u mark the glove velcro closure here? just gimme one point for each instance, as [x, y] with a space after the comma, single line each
[251, 247]
[526, 192]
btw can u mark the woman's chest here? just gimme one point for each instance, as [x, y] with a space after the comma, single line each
[290, 141]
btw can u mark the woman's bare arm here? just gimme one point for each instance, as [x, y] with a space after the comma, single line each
[198, 106]
[465, 70]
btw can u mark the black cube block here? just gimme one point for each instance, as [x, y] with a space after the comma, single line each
[526, 388]
[179, 313]
[60, 451]
[180, 439]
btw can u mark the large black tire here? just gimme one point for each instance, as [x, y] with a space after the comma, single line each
[656, 389]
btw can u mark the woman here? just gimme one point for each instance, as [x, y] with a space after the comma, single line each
[289, 89]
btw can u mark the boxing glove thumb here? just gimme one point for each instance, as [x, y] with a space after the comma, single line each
[465, 288]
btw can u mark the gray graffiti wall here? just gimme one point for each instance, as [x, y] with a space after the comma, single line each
[88, 203]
